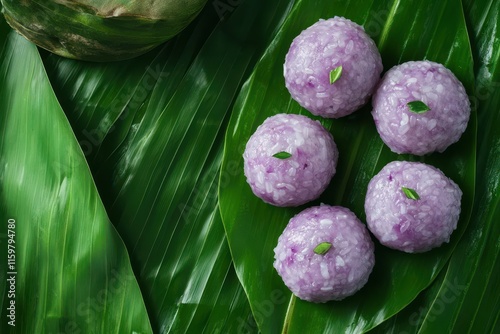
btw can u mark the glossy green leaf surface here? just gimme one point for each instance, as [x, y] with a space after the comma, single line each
[472, 303]
[468, 298]
[403, 32]
[152, 131]
[70, 270]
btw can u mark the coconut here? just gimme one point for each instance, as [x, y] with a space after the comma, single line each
[100, 30]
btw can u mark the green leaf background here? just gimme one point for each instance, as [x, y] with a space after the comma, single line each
[397, 277]
[132, 213]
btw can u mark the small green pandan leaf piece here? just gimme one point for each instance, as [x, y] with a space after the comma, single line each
[282, 155]
[335, 74]
[410, 193]
[322, 248]
[418, 107]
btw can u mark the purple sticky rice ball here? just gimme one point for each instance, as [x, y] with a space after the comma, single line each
[417, 219]
[405, 131]
[306, 169]
[334, 275]
[317, 51]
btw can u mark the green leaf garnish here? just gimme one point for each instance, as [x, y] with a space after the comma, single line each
[410, 193]
[282, 155]
[418, 107]
[335, 74]
[322, 248]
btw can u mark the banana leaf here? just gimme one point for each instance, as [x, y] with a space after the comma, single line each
[147, 175]
[168, 216]
[69, 269]
[467, 299]
[253, 227]
[184, 117]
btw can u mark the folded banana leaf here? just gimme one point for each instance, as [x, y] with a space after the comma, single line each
[70, 270]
